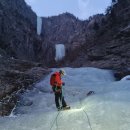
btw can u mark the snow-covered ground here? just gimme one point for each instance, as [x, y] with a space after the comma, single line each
[107, 109]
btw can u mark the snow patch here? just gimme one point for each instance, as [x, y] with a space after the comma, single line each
[126, 78]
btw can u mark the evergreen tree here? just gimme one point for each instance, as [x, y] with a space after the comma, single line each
[96, 26]
[124, 3]
[114, 1]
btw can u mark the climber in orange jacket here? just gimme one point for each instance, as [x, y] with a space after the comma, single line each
[57, 83]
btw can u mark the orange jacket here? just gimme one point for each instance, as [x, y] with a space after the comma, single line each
[56, 79]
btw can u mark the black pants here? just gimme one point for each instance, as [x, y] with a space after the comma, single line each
[59, 98]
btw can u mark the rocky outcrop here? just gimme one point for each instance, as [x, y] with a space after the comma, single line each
[98, 41]
[68, 30]
[18, 36]
[16, 76]
[63, 29]
[101, 41]
[108, 47]
[19, 46]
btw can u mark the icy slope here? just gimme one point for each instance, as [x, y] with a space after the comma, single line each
[108, 109]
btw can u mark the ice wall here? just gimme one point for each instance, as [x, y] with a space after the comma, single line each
[60, 52]
[39, 25]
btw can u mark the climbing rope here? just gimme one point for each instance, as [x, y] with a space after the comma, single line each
[55, 120]
[88, 119]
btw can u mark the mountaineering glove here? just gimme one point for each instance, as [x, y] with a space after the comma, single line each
[63, 84]
[56, 89]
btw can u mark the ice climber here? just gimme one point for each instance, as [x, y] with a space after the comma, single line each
[57, 84]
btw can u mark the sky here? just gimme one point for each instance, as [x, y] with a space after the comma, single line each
[80, 8]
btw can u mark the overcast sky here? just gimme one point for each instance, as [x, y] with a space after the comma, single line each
[80, 8]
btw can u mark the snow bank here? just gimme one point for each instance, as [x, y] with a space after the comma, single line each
[126, 78]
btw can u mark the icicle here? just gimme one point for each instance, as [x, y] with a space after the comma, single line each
[60, 52]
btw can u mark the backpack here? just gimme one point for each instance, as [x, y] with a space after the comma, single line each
[52, 79]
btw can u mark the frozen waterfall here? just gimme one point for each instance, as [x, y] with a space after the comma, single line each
[39, 25]
[60, 52]
[107, 109]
